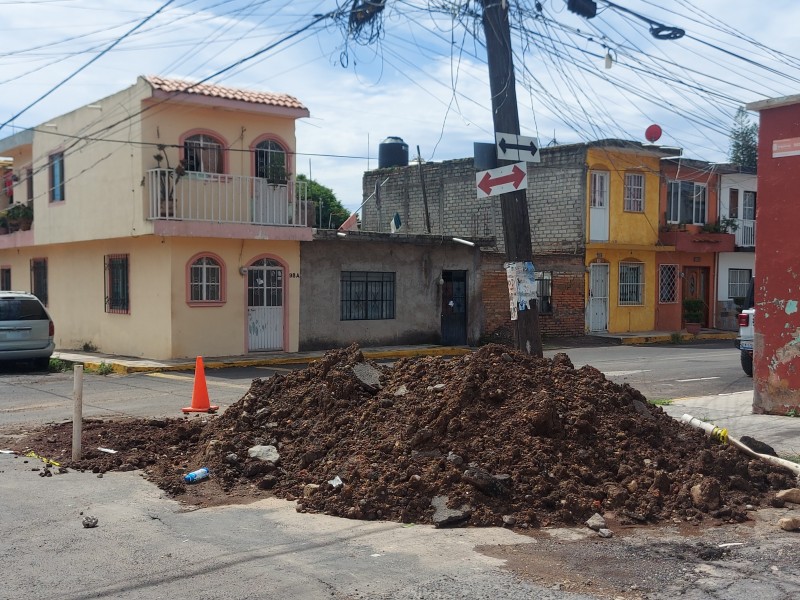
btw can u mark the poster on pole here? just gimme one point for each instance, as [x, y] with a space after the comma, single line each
[521, 278]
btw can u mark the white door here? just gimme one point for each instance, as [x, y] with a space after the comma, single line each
[598, 297]
[598, 207]
[265, 305]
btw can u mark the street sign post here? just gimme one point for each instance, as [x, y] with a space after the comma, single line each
[517, 147]
[502, 180]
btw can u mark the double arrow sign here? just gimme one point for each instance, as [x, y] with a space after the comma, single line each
[513, 177]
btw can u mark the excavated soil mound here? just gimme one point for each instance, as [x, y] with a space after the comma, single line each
[499, 436]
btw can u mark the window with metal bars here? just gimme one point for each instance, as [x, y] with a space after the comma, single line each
[205, 280]
[5, 279]
[634, 192]
[271, 162]
[39, 279]
[544, 292]
[367, 295]
[668, 284]
[738, 282]
[631, 284]
[117, 284]
[203, 154]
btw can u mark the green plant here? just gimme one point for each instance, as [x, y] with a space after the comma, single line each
[661, 402]
[676, 338]
[793, 412]
[58, 366]
[105, 368]
[723, 225]
[693, 310]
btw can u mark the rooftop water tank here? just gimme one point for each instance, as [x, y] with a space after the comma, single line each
[392, 152]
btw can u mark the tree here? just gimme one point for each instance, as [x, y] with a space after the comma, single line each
[744, 140]
[333, 213]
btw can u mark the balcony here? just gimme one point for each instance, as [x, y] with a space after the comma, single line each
[691, 238]
[746, 233]
[236, 199]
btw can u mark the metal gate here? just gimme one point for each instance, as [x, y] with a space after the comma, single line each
[454, 308]
[598, 297]
[265, 305]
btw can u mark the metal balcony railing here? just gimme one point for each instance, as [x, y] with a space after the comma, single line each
[225, 199]
[746, 233]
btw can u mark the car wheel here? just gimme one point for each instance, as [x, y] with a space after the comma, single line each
[41, 364]
[747, 363]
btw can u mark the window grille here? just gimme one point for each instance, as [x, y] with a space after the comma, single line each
[738, 282]
[668, 284]
[205, 281]
[5, 279]
[544, 291]
[631, 284]
[203, 154]
[271, 162]
[39, 279]
[117, 284]
[634, 192]
[599, 190]
[367, 295]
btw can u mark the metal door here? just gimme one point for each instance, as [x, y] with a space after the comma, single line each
[454, 308]
[598, 297]
[265, 305]
[598, 207]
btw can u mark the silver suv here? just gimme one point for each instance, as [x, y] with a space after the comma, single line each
[26, 329]
[746, 327]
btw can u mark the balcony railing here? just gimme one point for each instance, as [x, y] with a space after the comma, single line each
[225, 199]
[746, 233]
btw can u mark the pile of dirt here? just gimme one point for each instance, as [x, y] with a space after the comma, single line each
[501, 437]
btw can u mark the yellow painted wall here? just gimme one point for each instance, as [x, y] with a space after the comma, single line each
[628, 227]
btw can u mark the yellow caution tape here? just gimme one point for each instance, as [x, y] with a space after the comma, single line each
[45, 460]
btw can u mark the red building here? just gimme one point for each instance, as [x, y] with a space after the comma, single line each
[776, 354]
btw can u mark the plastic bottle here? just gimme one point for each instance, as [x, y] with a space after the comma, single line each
[195, 476]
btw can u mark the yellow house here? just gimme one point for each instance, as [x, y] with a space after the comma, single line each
[622, 226]
[167, 221]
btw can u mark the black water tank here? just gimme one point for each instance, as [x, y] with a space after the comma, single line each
[392, 152]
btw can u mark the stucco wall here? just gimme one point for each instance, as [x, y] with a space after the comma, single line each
[727, 311]
[417, 271]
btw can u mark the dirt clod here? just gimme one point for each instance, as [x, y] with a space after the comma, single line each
[506, 438]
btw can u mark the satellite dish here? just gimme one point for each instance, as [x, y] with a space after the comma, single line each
[652, 133]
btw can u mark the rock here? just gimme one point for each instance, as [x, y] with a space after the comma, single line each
[264, 453]
[401, 391]
[757, 446]
[596, 522]
[232, 459]
[126, 467]
[89, 521]
[789, 523]
[310, 489]
[268, 482]
[446, 517]
[455, 459]
[705, 495]
[509, 520]
[790, 495]
[487, 483]
[436, 388]
[605, 533]
[507, 357]
[368, 375]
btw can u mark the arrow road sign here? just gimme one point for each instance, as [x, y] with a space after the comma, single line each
[516, 147]
[501, 180]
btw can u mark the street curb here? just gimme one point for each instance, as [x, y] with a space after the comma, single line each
[684, 337]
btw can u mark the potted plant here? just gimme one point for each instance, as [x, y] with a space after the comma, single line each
[19, 216]
[3, 225]
[693, 315]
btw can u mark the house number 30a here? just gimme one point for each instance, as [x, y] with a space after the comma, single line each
[294, 275]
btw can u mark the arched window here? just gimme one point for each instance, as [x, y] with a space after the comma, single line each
[203, 154]
[205, 281]
[271, 161]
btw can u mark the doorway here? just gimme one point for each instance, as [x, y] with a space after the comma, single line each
[454, 308]
[598, 297]
[265, 295]
[695, 287]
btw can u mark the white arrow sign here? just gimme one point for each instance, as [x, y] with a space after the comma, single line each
[516, 147]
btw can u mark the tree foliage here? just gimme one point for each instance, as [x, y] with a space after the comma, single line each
[744, 140]
[333, 213]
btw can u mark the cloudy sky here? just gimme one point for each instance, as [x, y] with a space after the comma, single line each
[414, 73]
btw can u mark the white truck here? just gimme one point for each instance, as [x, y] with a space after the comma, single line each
[744, 342]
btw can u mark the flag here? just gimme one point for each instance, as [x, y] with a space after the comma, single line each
[351, 224]
[395, 223]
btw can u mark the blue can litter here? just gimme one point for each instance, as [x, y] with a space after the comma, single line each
[195, 476]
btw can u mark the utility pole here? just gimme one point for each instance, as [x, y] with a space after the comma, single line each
[516, 224]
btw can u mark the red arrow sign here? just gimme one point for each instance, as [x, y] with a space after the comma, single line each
[515, 178]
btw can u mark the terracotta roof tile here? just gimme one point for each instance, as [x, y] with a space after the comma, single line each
[228, 93]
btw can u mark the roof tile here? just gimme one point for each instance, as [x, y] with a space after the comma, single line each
[228, 93]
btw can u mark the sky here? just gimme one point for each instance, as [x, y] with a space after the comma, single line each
[415, 73]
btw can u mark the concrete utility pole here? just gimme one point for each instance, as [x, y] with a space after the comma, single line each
[516, 224]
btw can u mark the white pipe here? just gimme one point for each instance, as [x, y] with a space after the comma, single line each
[722, 435]
[462, 241]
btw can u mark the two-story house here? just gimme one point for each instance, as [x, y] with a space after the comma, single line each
[690, 226]
[167, 221]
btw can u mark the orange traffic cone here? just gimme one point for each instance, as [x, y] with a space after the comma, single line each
[200, 402]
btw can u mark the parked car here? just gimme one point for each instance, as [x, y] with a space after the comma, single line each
[26, 329]
[744, 342]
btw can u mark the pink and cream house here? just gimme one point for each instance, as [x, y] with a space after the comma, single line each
[167, 221]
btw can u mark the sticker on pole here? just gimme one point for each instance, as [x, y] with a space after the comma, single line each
[502, 180]
[521, 278]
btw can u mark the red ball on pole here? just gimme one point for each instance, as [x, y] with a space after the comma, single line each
[652, 133]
